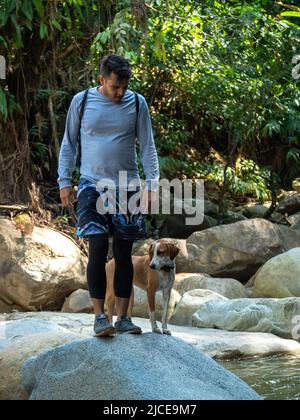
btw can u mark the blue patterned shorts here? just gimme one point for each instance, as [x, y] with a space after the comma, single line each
[123, 225]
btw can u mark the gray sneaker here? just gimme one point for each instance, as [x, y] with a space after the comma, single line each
[102, 326]
[125, 325]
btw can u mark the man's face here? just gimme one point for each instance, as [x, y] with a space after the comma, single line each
[113, 88]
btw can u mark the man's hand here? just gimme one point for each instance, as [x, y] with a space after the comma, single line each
[65, 196]
[148, 198]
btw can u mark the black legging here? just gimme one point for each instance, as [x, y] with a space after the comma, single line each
[96, 275]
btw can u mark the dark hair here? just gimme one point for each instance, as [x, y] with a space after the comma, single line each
[114, 63]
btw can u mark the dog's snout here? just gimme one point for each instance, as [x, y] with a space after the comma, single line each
[153, 266]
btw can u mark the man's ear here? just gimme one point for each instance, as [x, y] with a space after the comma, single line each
[101, 79]
[174, 250]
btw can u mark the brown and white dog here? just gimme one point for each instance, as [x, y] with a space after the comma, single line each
[152, 272]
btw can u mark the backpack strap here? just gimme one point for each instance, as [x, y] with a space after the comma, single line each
[82, 106]
[137, 107]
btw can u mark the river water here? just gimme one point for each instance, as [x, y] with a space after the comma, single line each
[274, 378]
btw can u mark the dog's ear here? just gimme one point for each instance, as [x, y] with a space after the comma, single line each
[151, 250]
[174, 250]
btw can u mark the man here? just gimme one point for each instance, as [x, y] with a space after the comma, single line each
[109, 127]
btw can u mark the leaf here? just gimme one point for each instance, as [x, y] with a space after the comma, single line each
[43, 30]
[39, 7]
[28, 24]
[103, 37]
[4, 43]
[293, 14]
[56, 25]
[27, 9]
[12, 4]
[3, 104]
[159, 47]
[19, 42]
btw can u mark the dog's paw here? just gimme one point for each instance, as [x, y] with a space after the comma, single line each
[168, 332]
[156, 330]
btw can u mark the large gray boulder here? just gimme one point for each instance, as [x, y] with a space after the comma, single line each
[19, 340]
[38, 272]
[229, 288]
[190, 303]
[257, 210]
[23, 335]
[141, 308]
[276, 316]
[174, 225]
[181, 278]
[240, 249]
[294, 219]
[146, 367]
[279, 277]
[289, 205]
[78, 302]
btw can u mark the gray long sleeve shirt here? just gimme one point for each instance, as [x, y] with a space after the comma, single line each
[108, 131]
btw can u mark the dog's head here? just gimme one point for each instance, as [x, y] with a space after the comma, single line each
[162, 254]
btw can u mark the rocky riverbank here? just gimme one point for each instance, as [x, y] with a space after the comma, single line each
[236, 293]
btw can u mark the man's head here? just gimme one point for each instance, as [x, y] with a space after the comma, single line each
[115, 73]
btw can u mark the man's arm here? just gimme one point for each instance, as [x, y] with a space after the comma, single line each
[68, 152]
[147, 146]
[148, 155]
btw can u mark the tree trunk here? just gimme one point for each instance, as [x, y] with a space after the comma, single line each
[15, 177]
[15, 164]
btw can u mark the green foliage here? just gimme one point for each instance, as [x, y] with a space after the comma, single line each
[246, 179]
[293, 11]
[225, 69]
[216, 75]
[3, 104]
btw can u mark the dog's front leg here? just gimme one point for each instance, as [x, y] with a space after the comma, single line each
[166, 299]
[151, 303]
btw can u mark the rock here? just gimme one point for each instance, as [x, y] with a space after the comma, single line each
[296, 227]
[182, 277]
[278, 218]
[276, 316]
[140, 308]
[159, 368]
[11, 330]
[231, 217]
[172, 221]
[175, 226]
[75, 323]
[255, 211]
[216, 343]
[28, 334]
[210, 209]
[39, 272]
[14, 356]
[229, 288]
[190, 303]
[249, 292]
[19, 340]
[78, 302]
[289, 205]
[8, 307]
[279, 277]
[294, 219]
[225, 345]
[238, 250]
[296, 185]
